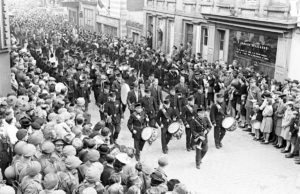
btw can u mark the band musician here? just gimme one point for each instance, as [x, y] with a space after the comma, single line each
[200, 126]
[217, 114]
[136, 123]
[165, 117]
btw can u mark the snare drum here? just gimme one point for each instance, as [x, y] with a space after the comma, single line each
[176, 129]
[229, 123]
[149, 134]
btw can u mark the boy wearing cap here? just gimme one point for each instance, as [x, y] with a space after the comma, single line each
[165, 117]
[217, 114]
[200, 126]
[136, 123]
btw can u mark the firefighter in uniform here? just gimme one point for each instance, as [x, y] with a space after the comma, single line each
[113, 114]
[200, 126]
[188, 113]
[217, 114]
[102, 99]
[165, 117]
[150, 107]
[136, 123]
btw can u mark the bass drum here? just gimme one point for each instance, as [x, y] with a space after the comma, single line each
[176, 129]
[149, 134]
[229, 123]
[124, 92]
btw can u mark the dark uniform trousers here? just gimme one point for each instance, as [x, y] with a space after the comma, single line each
[166, 119]
[216, 117]
[114, 110]
[199, 125]
[137, 124]
[187, 117]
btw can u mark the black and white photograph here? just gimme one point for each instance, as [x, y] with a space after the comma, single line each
[149, 96]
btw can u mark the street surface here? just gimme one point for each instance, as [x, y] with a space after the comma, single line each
[242, 166]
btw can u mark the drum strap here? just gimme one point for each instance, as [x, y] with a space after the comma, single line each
[166, 114]
[200, 124]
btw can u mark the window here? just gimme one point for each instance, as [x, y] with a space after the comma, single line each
[189, 33]
[135, 37]
[88, 17]
[221, 38]
[205, 36]
[112, 31]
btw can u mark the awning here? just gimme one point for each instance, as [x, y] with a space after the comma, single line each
[279, 31]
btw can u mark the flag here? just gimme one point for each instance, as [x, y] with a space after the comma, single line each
[100, 4]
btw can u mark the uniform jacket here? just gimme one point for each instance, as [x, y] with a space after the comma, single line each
[199, 125]
[150, 105]
[188, 113]
[137, 122]
[114, 110]
[217, 115]
[107, 172]
[166, 116]
[156, 93]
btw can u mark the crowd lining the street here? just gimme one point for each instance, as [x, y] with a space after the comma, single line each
[48, 143]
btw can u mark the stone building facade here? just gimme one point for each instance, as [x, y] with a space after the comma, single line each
[262, 33]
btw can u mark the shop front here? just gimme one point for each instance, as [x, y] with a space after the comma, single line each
[262, 44]
[256, 49]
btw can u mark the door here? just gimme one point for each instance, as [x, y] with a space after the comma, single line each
[189, 33]
[204, 44]
[135, 37]
[221, 36]
[171, 36]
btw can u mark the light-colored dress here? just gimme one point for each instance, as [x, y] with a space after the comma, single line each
[286, 122]
[267, 122]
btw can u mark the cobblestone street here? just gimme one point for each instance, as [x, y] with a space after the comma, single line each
[241, 167]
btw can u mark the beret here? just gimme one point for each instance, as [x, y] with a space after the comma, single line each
[21, 134]
[48, 147]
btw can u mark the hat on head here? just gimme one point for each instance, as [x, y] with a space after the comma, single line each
[77, 143]
[138, 105]
[69, 150]
[50, 181]
[180, 189]
[36, 138]
[10, 172]
[72, 162]
[21, 134]
[35, 126]
[93, 155]
[123, 158]
[104, 149]
[157, 178]
[11, 100]
[291, 103]
[163, 161]
[19, 146]
[92, 175]
[89, 190]
[48, 147]
[33, 168]
[5, 189]
[80, 101]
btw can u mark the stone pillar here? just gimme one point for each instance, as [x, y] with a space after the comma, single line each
[282, 58]
[294, 57]
[154, 35]
[178, 32]
[211, 43]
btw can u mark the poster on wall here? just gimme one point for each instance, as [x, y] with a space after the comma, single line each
[253, 45]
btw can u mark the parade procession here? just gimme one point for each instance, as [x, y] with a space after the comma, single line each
[84, 111]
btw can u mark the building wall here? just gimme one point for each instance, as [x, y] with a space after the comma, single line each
[89, 16]
[185, 12]
[293, 66]
[135, 5]
[5, 85]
